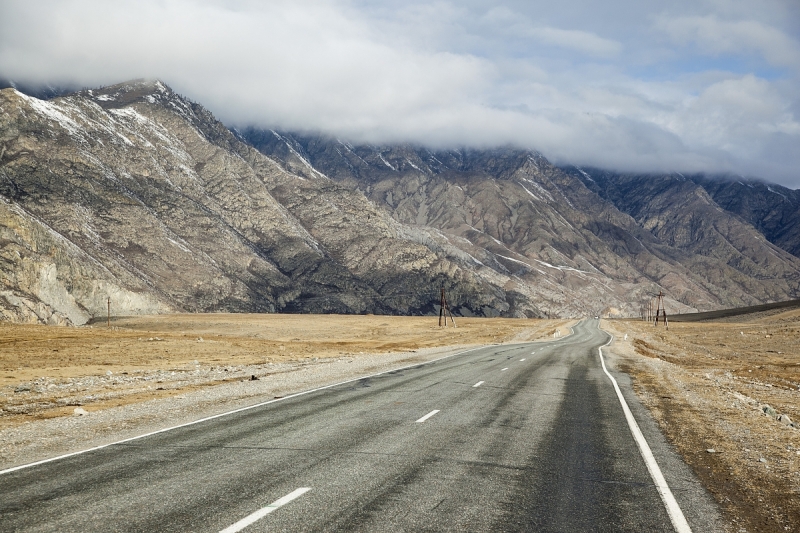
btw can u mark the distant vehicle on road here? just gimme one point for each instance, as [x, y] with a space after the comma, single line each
[596, 317]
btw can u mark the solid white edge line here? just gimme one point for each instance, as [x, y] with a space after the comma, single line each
[673, 509]
[220, 415]
[264, 511]
[478, 384]
[424, 418]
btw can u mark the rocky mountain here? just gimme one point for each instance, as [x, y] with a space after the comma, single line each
[714, 215]
[772, 209]
[134, 193]
[549, 231]
[681, 211]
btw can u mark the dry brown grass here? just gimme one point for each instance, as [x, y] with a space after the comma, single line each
[50, 357]
[705, 383]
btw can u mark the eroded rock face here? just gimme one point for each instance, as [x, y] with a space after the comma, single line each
[571, 247]
[132, 192]
[47, 279]
[771, 209]
[685, 212]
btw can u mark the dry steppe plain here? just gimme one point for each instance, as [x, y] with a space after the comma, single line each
[707, 384]
[48, 371]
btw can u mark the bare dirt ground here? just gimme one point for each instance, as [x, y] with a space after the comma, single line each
[48, 372]
[708, 385]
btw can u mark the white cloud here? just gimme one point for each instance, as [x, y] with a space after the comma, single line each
[717, 36]
[581, 41]
[726, 112]
[513, 23]
[579, 81]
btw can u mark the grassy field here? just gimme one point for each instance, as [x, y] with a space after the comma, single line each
[47, 371]
[707, 383]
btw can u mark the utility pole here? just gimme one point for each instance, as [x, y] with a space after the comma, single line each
[441, 308]
[660, 310]
[444, 309]
[108, 316]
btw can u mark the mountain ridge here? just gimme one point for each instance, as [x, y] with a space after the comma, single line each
[135, 193]
[190, 215]
[390, 178]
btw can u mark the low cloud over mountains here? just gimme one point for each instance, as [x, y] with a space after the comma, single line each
[689, 86]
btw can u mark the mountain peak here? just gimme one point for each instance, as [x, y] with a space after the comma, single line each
[129, 92]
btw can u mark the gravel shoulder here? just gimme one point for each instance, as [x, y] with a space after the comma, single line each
[75, 407]
[42, 439]
[708, 386]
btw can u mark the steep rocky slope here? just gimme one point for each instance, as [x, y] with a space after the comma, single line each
[772, 209]
[679, 210]
[548, 230]
[134, 193]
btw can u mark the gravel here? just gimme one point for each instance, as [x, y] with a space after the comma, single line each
[41, 439]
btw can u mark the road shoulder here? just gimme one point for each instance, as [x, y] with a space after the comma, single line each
[43, 439]
[697, 504]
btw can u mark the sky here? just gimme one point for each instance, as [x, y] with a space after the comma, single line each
[628, 85]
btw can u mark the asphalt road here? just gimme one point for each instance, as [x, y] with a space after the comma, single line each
[527, 437]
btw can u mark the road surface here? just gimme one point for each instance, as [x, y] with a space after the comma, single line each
[524, 437]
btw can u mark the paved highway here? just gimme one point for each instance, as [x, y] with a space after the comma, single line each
[526, 437]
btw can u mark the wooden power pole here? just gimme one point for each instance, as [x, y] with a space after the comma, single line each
[444, 310]
[661, 313]
[108, 316]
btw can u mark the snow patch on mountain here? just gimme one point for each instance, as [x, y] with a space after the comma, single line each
[52, 111]
[385, 162]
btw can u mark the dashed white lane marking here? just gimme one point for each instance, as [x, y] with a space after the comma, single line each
[521, 360]
[478, 384]
[502, 369]
[424, 418]
[261, 513]
[673, 509]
